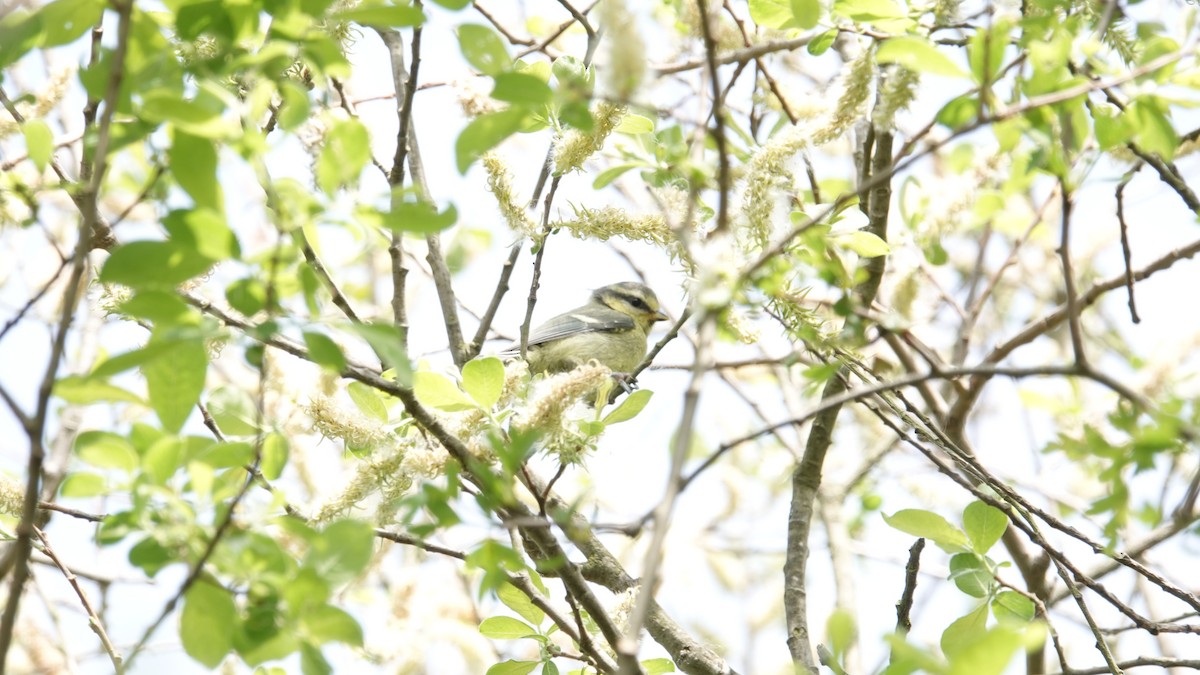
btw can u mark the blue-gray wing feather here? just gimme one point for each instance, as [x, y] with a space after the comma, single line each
[597, 319]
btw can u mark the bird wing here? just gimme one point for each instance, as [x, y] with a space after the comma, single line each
[597, 319]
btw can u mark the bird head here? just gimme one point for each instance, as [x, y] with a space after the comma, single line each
[632, 298]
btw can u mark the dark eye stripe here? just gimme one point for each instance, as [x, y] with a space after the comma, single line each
[634, 300]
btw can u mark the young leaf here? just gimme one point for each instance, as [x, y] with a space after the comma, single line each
[438, 391]
[865, 244]
[206, 623]
[39, 142]
[175, 380]
[106, 450]
[658, 666]
[511, 667]
[483, 49]
[484, 133]
[342, 551]
[520, 603]
[629, 408]
[383, 15]
[368, 400]
[83, 390]
[964, 631]
[327, 623]
[918, 55]
[483, 378]
[921, 523]
[505, 628]
[346, 150]
[984, 525]
[1012, 607]
[522, 89]
[388, 344]
[324, 351]
[970, 574]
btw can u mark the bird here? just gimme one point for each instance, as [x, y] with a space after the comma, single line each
[610, 329]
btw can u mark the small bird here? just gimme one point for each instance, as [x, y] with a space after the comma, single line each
[610, 329]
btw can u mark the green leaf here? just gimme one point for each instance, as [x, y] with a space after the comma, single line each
[822, 42]
[806, 12]
[959, 111]
[150, 556]
[368, 400]
[161, 307]
[984, 524]
[248, 295]
[483, 49]
[964, 630]
[175, 380]
[342, 551]
[19, 33]
[203, 231]
[841, 631]
[483, 379]
[629, 408]
[505, 628]
[517, 601]
[388, 344]
[67, 20]
[83, 484]
[453, 4]
[330, 624]
[990, 652]
[106, 450]
[610, 174]
[986, 51]
[778, 14]
[658, 666]
[163, 459]
[869, 10]
[635, 125]
[863, 243]
[206, 623]
[1152, 129]
[1012, 607]
[193, 162]
[234, 411]
[81, 390]
[227, 454]
[921, 523]
[438, 391]
[383, 15]
[918, 55]
[201, 115]
[39, 142]
[522, 89]
[324, 351]
[153, 264]
[294, 107]
[275, 452]
[419, 217]
[511, 667]
[312, 661]
[484, 133]
[347, 149]
[970, 574]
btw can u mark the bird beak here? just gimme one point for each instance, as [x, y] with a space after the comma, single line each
[658, 316]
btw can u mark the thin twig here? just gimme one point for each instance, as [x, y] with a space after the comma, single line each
[1125, 251]
[36, 425]
[93, 618]
[627, 647]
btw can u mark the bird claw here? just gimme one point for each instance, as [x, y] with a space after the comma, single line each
[626, 381]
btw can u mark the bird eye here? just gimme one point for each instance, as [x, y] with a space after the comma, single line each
[639, 303]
